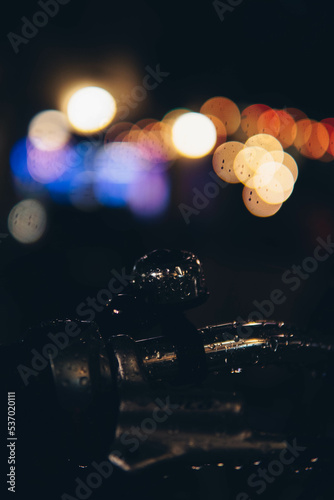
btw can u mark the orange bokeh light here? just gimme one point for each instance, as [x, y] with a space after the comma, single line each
[250, 117]
[146, 121]
[220, 130]
[224, 109]
[329, 124]
[296, 113]
[269, 123]
[304, 130]
[312, 139]
[128, 135]
[115, 130]
[288, 128]
[156, 143]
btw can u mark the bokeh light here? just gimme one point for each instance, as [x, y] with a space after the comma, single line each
[116, 130]
[47, 166]
[317, 143]
[117, 166]
[23, 182]
[286, 160]
[296, 114]
[248, 161]
[91, 109]
[223, 161]
[250, 117]
[49, 130]
[156, 143]
[194, 135]
[277, 187]
[329, 125]
[82, 158]
[220, 130]
[149, 194]
[304, 130]
[268, 173]
[256, 206]
[224, 109]
[146, 121]
[288, 128]
[131, 135]
[269, 123]
[265, 141]
[27, 221]
[171, 117]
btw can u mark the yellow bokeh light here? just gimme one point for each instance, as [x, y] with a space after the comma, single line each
[277, 156]
[27, 221]
[277, 187]
[287, 160]
[91, 109]
[266, 141]
[171, 117]
[194, 135]
[248, 161]
[223, 160]
[265, 173]
[49, 130]
[256, 206]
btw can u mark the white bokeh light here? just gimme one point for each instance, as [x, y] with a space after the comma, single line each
[27, 221]
[49, 130]
[91, 109]
[194, 135]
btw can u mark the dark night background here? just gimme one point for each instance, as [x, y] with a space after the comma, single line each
[276, 52]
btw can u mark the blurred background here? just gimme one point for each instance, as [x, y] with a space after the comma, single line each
[79, 200]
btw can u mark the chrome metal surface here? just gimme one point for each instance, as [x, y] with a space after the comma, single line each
[170, 277]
